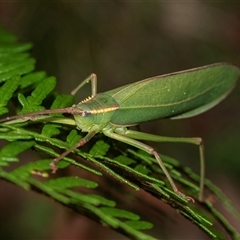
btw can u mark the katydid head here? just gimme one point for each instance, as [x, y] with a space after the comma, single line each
[95, 114]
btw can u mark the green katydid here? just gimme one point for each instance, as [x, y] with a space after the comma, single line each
[177, 95]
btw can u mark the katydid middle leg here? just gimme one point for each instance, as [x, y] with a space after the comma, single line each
[155, 138]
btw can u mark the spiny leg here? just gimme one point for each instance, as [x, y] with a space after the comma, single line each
[155, 138]
[93, 79]
[64, 154]
[150, 150]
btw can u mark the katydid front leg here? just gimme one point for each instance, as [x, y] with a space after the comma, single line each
[131, 141]
[64, 154]
[93, 79]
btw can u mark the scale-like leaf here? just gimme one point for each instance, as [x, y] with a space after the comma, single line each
[6, 92]
[13, 65]
[100, 148]
[70, 182]
[32, 78]
[101, 200]
[124, 160]
[24, 69]
[61, 101]
[31, 103]
[9, 152]
[10, 48]
[115, 212]
[139, 225]
[5, 59]
[73, 137]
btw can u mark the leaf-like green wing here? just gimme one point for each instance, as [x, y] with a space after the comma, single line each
[177, 95]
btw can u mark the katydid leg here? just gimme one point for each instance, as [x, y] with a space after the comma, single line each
[155, 138]
[93, 79]
[148, 149]
[79, 144]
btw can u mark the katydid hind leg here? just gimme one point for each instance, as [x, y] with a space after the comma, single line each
[93, 79]
[64, 154]
[150, 150]
[156, 138]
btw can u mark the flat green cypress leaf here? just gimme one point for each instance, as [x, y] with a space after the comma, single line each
[13, 136]
[139, 225]
[64, 163]
[50, 129]
[142, 169]
[22, 99]
[70, 182]
[6, 92]
[100, 148]
[38, 94]
[73, 137]
[79, 198]
[9, 152]
[10, 48]
[32, 78]
[10, 66]
[5, 58]
[25, 171]
[124, 160]
[13, 179]
[102, 200]
[18, 71]
[120, 213]
[24, 102]
[62, 101]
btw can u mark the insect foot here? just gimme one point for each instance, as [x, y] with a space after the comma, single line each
[185, 196]
[53, 165]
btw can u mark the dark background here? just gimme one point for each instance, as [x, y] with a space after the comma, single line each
[123, 42]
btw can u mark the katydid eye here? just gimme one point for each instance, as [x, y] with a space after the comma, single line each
[85, 113]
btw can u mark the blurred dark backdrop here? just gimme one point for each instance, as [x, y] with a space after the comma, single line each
[123, 42]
